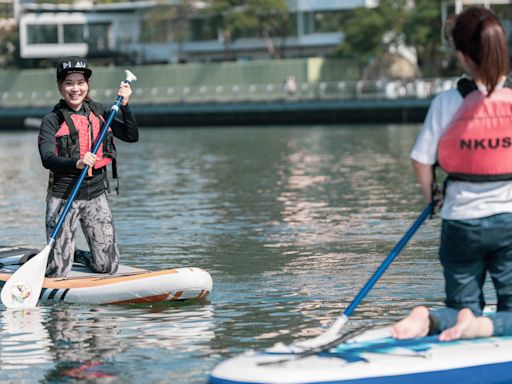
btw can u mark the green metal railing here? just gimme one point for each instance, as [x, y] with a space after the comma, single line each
[257, 92]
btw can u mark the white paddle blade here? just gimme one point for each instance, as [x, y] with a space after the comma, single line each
[23, 288]
[331, 334]
[129, 76]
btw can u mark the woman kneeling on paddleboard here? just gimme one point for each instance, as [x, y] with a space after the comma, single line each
[66, 137]
[468, 131]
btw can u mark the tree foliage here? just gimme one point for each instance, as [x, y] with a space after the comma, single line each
[256, 18]
[172, 18]
[422, 29]
[369, 32]
[168, 21]
[9, 46]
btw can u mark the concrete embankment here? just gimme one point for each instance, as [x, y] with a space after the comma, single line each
[323, 92]
[297, 112]
[252, 113]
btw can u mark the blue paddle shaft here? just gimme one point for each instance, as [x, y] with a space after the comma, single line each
[389, 259]
[74, 193]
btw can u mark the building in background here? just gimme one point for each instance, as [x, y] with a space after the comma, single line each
[460, 4]
[9, 12]
[9, 9]
[102, 31]
[130, 32]
[501, 7]
[144, 32]
[457, 6]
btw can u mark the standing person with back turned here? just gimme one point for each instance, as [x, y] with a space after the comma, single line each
[66, 138]
[470, 137]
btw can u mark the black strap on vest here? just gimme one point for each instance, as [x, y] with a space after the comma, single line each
[465, 86]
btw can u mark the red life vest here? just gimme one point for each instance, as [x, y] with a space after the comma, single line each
[77, 134]
[477, 145]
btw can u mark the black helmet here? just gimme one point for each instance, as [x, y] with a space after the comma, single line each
[73, 64]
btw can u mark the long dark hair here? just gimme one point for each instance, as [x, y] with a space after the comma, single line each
[479, 35]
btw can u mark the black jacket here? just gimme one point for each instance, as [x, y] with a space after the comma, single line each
[64, 174]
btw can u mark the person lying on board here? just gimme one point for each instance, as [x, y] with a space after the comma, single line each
[477, 208]
[66, 138]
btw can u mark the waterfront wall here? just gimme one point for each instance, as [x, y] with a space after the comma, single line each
[328, 91]
[41, 82]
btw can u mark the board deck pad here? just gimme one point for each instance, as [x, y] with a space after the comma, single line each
[374, 357]
[127, 285]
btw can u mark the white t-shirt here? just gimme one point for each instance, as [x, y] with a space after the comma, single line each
[463, 200]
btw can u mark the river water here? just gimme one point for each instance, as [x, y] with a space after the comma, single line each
[290, 223]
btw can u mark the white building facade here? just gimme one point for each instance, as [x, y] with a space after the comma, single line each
[127, 32]
[121, 30]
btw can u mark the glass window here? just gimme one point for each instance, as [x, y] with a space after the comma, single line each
[42, 34]
[308, 23]
[200, 29]
[73, 33]
[6, 10]
[330, 21]
[155, 31]
[99, 38]
[247, 32]
[291, 26]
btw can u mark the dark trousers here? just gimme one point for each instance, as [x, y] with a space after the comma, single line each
[469, 250]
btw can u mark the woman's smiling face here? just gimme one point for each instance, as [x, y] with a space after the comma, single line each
[74, 89]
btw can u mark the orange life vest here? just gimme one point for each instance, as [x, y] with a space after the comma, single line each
[77, 134]
[477, 145]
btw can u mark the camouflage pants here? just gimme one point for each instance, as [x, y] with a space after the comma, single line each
[95, 218]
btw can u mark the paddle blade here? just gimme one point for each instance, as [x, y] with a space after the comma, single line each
[23, 288]
[333, 333]
[129, 76]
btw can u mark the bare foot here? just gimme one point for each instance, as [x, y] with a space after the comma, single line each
[416, 324]
[468, 326]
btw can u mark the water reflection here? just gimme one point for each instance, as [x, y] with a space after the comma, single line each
[290, 223]
[92, 343]
[25, 341]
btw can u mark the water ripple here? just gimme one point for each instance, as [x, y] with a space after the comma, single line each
[290, 222]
